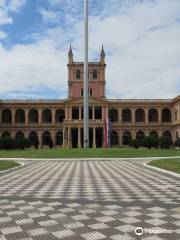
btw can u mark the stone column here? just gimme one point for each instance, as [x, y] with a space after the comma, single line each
[66, 112]
[159, 115]
[120, 138]
[134, 134]
[133, 116]
[146, 116]
[93, 113]
[120, 115]
[40, 139]
[13, 116]
[79, 137]
[64, 137]
[40, 115]
[26, 116]
[79, 113]
[53, 116]
[69, 137]
[53, 136]
[94, 137]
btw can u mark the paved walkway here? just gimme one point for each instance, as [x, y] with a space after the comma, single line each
[88, 200]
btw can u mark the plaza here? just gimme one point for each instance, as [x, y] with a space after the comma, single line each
[85, 200]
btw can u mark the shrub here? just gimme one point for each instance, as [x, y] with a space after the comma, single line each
[34, 142]
[177, 143]
[7, 143]
[135, 143]
[165, 142]
[23, 143]
[150, 142]
[50, 144]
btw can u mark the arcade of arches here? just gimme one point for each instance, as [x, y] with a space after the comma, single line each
[64, 126]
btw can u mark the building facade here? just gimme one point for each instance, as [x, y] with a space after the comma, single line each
[62, 120]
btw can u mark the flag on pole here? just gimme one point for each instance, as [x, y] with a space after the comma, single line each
[106, 132]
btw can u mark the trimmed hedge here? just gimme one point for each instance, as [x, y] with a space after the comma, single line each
[150, 142]
[9, 143]
[153, 142]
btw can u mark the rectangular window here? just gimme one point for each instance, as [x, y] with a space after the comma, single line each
[82, 92]
[75, 113]
[78, 74]
[98, 112]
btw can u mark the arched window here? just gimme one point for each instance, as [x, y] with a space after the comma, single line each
[95, 74]
[114, 138]
[19, 135]
[33, 116]
[153, 115]
[167, 134]
[78, 74]
[126, 115]
[6, 116]
[6, 134]
[33, 137]
[46, 138]
[153, 134]
[140, 115]
[47, 116]
[140, 135]
[113, 115]
[60, 115]
[59, 138]
[20, 116]
[127, 137]
[166, 115]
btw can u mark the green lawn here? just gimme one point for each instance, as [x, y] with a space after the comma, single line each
[89, 153]
[4, 165]
[172, 165]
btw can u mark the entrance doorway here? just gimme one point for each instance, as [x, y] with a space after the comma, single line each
[99, 137]
[74, 137]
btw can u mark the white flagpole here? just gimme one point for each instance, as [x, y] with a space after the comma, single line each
[86, 93]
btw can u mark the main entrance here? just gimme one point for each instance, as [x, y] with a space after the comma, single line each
[94, 141]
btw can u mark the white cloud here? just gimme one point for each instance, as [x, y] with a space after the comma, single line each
[3, 35]
[16, 5]
[141, 39]
[32, 68]
[6, 7]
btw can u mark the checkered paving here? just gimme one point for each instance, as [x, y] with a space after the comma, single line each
[88, 200]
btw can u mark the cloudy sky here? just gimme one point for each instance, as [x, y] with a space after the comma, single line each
[141, 39]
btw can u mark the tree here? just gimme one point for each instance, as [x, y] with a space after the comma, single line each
[135, 143]
[165, 142]
[177, 143]
[150, 142]
[50, 144]
[22, 143]
[7, 143]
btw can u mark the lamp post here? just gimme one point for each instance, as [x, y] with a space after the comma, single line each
[86, 94]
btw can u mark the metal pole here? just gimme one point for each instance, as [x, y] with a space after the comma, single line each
[86, 94]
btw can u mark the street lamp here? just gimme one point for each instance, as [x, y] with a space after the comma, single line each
[86, 94]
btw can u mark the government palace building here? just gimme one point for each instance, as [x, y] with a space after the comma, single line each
[62, 120]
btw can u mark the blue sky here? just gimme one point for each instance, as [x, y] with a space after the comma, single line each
[141, 39]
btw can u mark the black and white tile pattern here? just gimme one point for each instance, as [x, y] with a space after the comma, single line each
[88, 200]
